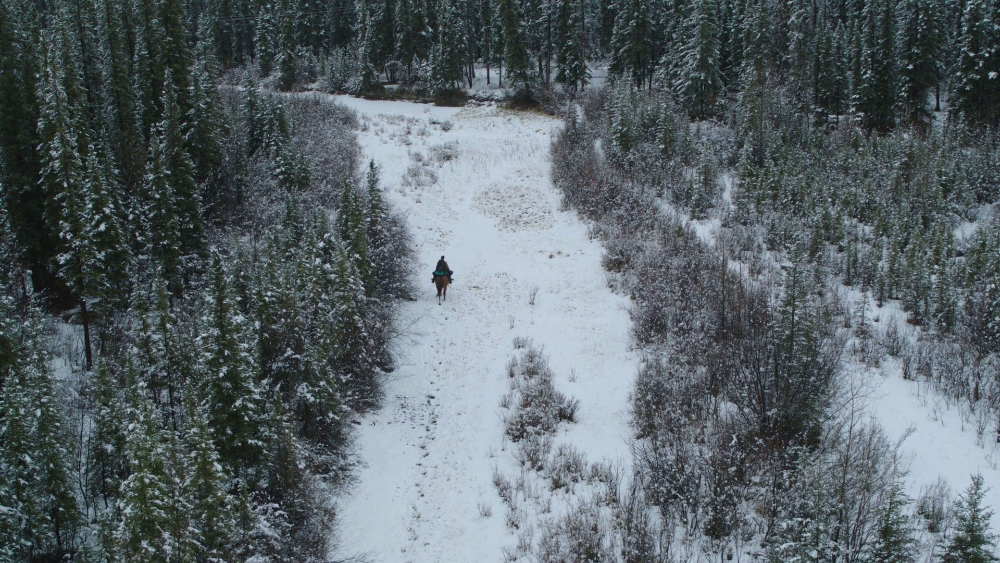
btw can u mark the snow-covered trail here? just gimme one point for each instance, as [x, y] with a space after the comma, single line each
[431, 450]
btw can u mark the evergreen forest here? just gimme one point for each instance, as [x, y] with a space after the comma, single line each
[201, 276]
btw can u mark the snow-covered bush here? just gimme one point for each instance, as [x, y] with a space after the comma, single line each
[579, 537]
[537, 407]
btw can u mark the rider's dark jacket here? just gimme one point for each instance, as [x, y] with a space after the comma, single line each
[442, 267]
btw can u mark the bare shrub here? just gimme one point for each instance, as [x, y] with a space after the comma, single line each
[444, 152]
[566, 467]
[503, 487]
[892, 342]
[579, 536]
[533, 451]
[514, 518]
[934, 506]
[532, 295]
[521, 342]
[418, 175]
[485, 509]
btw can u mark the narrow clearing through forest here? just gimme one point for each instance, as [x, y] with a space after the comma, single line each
[475, 185]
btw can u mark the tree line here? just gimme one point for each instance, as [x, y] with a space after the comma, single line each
[886, 62]
[198, 295]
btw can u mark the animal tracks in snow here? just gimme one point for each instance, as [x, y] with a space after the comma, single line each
[426, 494]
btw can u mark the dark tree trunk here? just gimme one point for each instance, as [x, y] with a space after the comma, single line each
[86, 334]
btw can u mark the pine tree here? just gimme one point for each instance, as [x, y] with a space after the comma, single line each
[699, 77]
[876, 95]
[977, 81]
[515, 52]
[212, 510]
[895, 542]
[20, 159]
[229, 382]
[972, 541]
[631, 43]
[34, 459]
[571, 64]
[919, 45]
[145, 531]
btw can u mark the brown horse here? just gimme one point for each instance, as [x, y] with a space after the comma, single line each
[441, 282]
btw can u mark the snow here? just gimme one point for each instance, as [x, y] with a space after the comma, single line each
[942, 440]
[491, 210]
[432, 449]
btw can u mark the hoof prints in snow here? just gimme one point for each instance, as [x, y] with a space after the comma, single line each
[427, 495]
[515, 207]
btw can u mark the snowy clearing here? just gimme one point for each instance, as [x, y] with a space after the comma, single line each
[475, 184]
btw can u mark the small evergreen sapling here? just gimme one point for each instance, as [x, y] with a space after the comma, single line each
[972, 541]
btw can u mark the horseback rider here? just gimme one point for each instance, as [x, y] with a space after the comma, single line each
[442, 270]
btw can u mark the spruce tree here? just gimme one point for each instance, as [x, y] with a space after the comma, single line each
[228, 380]
[876, 95]
[35, 459]
[180, 174]
[515, 52]
[699, 77]
[446, 58]
[972, 541]
[285, 59]
[354, 360]
[91, 243]
[977, 80]
[207, 126]
[151, 62]
[105, 461]
[125, 136]
[412, 34]
[20, 159]
[212, 510]
[158, 227]
[176, 51]
[145, 531]
[919, 40]
[352, 230]
[266, 38]
[571, 64]
[367, 41]
[631, 43]
[895, 542]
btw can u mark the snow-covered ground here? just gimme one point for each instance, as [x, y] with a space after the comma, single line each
[475, 184]
[943, 440]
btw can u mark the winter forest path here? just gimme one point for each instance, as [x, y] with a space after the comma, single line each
[474, 183]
